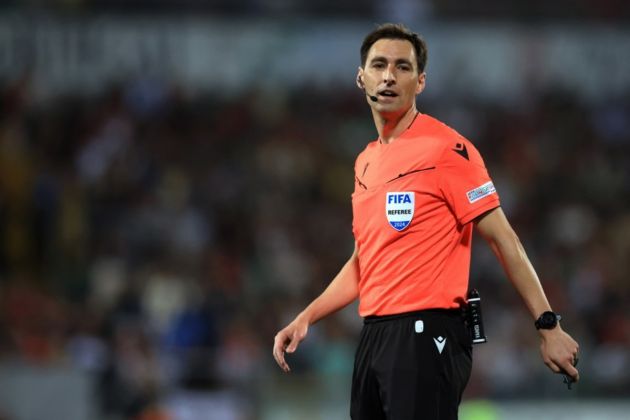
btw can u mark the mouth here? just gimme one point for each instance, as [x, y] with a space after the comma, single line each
[387, 93]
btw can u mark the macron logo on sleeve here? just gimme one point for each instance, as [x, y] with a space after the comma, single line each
[481, 192]
[460, 149]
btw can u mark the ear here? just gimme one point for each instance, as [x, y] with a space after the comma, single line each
[422, 78]
[359, 80]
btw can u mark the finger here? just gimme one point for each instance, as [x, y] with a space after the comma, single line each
[293, 344]
[279, 356]
[278, 352]
[554, 367]
[567, 366]
[571, 371]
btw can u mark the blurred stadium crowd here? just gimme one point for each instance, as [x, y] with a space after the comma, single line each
[521, 10]
[158, 240]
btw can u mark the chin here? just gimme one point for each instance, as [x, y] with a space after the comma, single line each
[389, 108]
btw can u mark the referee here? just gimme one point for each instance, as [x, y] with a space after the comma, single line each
[419, 190]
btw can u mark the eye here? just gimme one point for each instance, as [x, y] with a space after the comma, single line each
[378, 65]
[404, 67]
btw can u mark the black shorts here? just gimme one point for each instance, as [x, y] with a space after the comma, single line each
[411, 366]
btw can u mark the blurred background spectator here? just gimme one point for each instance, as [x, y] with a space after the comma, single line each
[160, 220]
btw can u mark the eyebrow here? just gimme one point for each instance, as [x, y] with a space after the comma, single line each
[398, 61]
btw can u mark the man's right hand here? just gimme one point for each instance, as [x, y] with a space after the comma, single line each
[287, 340]
[341, 291]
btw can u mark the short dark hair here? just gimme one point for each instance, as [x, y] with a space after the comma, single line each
[396, 31]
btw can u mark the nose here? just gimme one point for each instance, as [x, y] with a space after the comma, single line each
[389, 75]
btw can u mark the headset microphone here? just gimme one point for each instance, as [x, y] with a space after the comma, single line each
[372, 97]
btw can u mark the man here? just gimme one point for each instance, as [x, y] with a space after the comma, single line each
[419, 190]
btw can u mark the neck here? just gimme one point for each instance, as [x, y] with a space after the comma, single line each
[390, 126]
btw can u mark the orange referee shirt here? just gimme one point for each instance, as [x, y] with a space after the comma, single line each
[412, 203]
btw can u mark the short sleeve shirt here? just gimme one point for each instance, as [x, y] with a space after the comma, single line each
[413, 202]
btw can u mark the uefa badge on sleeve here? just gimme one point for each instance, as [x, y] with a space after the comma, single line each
[399, 207]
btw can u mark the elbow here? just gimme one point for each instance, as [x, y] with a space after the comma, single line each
[509, 246]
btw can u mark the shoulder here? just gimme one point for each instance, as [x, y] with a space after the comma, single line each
[451, 146]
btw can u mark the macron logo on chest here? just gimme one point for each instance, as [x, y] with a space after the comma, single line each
[399, 208]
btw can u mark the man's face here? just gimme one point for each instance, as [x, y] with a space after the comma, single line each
[391, 74]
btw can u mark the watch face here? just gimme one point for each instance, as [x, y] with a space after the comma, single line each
[547, 320]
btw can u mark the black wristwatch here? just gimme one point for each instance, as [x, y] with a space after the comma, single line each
[547, 321]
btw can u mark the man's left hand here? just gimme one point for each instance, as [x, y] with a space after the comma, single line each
[560, 352]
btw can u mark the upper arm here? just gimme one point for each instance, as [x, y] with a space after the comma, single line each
[464, 181]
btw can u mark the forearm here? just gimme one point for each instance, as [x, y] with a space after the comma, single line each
[558, 349]
[521, 273]
[341, 291]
